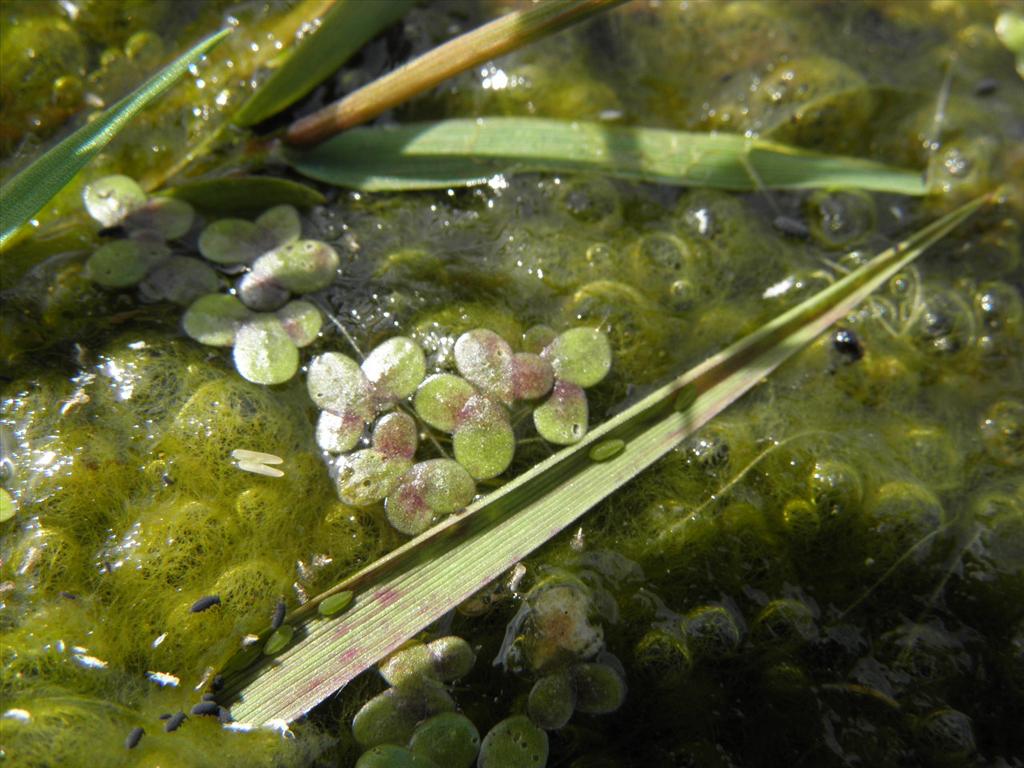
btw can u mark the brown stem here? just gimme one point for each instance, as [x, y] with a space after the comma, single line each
[493, 39]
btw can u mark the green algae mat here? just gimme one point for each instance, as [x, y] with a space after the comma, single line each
[238, 376]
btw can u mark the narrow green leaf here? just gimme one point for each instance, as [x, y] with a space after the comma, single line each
[244, 195]
[343, 31]
[463, 152]
[417, 583]
[23, 196]
[496, 38]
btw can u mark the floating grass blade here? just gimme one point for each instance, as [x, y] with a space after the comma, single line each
[413, 586]
[494, 39]
[462, 152]
[343, 30]
[244, 195]
[23, 196]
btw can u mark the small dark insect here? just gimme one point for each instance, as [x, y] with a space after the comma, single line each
[278, 617]
[134, 738]
[986, 86]
[175, 721]
[206, 708]
[205, 602]
[846, 343]
[69, 595]
[790, 226]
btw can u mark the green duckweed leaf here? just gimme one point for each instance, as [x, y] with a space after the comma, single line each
[281, 221]
[180, 280]
[532, 376]
[339, 433]
[428, 490]
[33, 187]
[302, 266]
[581, 356]
[551, 701]
[395, 368]
[109, 200]
[1009, 28]
[562, 418]
[8, 506]
[367, 476]
[483, 440]
[453, 658]
[440, 398]
[608, 449]
[537, 337]
[335, 604]
[122, 263]
[244, 195]
[393, 756]
[214, 319]
[392, 716]
[485, 359]
[408, 664]
[515, 742]
[261, 292]
[445, 659]
[469, 151]
[234, 241]
[449, 739]
[264, 353]
[711, 632]
[398, 595]
[165, 216]
[396, 434]
[279, 639]
[341, 32]
[336, 383]
[301, 321]
[600, 690]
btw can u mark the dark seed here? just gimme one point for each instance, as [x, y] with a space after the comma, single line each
[986, 86]
[205, 602]
[134, 738]
[218, 683]
[206, 708]
[790, 226]
[166, 716]
[69, 595]
[174, 722]
[278, 618]
[209, 697]
[846, 343]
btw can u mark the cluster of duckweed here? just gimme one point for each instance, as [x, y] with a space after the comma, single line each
[470, 411]
[256, 318]
[555, 641]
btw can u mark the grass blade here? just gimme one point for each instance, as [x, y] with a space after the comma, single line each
[419, 582]
[494, 39]
[462, 152]
[23, 196]
[244, 195]
[343, 30]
